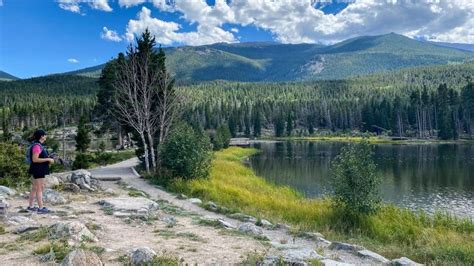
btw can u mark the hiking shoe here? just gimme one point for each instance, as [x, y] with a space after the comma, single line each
[32, 209]
[43, 210]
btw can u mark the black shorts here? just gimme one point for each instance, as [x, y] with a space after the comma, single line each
[38, 176]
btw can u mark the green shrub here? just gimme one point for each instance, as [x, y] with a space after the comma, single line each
[82, 161]
[221, 138]
[102, 157]
[13, 169]
[186, 153]
[355, 181]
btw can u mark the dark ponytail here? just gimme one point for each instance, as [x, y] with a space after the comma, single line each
[36, 136]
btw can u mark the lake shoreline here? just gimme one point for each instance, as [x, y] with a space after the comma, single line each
[391, 232]
[373, 140]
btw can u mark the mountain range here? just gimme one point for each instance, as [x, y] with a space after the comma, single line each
[6, 76]
[269, 61]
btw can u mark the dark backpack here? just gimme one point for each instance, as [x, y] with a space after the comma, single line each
[29, 152]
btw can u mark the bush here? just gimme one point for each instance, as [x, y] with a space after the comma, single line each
[13, 169]
[222, 137]
[355, 181]
[82, 161]
[186, 153]
[101, 156]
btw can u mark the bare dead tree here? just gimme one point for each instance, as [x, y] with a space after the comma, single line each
[169, 106]
[135, 87]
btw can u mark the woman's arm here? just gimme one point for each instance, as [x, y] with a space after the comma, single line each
[37, 159]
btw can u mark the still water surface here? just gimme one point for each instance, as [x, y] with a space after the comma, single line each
[426, 176]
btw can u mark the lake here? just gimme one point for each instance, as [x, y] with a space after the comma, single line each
[416, 176]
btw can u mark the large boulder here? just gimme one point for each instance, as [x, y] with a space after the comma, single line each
[7, 192]
[74, 232]
[251, 229]
[53, 197]
[51, 181]
[84, 180]
[130, 204]
[142, 255]
[80, 257]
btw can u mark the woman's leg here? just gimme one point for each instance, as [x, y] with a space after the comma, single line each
[39, 191]
[31, 198]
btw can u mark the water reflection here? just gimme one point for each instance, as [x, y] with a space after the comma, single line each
[429, 177]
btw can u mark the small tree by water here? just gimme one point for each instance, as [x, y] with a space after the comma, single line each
[187, 153]
[355, 181]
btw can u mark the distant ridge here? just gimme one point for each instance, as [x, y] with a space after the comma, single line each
[270, 61]
[6, 76]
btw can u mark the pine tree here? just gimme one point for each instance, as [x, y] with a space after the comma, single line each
[289, 125]
[82, 139]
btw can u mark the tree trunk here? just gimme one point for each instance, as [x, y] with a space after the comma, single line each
[145, 148]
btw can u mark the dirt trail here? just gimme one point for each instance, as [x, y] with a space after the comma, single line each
[187, 239]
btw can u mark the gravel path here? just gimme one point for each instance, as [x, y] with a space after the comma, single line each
[282, 244]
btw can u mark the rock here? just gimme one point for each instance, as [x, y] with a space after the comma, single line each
[25, 228]
[7, 192]
[250, 228]
[269, 260]
[19, 220]
[266, 224]
[226, 224]
[121, 214]
[329, 262]
[324, 241]
[71, 187]
[80, 257]
[83, 179]
[296, 256]
[211, 206]
[64, 177]
[195, 201]
[3, 206]
[283, 226]
[142, 255]
[181, 196]
[345, 246]
[129, 204]
[75, 231]
[81, 176]
[53, 197]
[109, 191]
[404, 261]
[372, 255]
[51, 181]
[169, 220]
[312, 235]
[243, 217]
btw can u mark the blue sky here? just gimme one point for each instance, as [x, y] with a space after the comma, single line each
[39, 37]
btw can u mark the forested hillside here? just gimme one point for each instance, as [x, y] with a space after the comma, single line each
[407, 102]
[271, 62]
[45, 101]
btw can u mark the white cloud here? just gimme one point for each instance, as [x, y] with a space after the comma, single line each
[298, 21]
[73, 60]
[168, 32]
[129, 3]
[110, 35]
[75, 5]
[234, 30]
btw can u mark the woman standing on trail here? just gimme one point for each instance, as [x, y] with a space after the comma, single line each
[39, 168]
